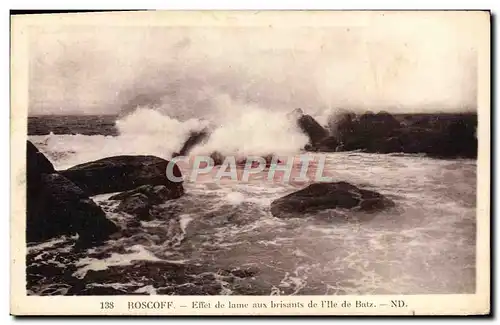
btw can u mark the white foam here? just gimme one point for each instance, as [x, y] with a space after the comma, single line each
[183, 261]
[149, 289]
[138, 253]
[296, 282]
[48, 244]
[116, 285]
[299, 253]
[234, 198]
[225, 290]
[247, 129]
[184, 220]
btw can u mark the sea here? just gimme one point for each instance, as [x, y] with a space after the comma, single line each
[221, 238]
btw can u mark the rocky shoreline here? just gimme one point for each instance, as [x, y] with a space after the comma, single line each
[59, 202]
[445, 136]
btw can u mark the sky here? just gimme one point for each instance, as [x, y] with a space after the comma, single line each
[397, 63]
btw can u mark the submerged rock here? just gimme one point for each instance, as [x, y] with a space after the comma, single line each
[156, 194]
[269, 160]
[138, 202]
[218, 159]
[122, 173]
[322, 196]
[138, 205]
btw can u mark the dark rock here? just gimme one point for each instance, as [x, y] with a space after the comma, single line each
[195, 138]
[311, 127]
[95, 291]
[217, 157]
[156, 194]
[416, 140]
[382, 122]
[364, 132]
[239, 272]
[140, 201]
[59, 207]
[328, 144]
[121, 173]
[36, 165]
[244, 273]
[437, 135]
[169, 278]
[461, 140]
[310, 147]
[455, 140]
[368, 130]
[387, 145]
[56, 206]
[138, 205]
[341, 121]
[268, 160]
[322, 196]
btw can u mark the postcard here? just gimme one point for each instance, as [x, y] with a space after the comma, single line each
[250, 163]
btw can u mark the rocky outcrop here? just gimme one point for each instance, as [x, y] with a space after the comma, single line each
[460, 140]
[56, 206]
[63, 208]
[312, 128]
[122, 173]
[439, 135]
[323, 196]
[328, 144]
[456, 140]
[365, 131]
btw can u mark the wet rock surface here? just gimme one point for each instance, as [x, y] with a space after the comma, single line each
[57, 206]
[140, 201]
[437, 135]
[122, 173]
[323, 196]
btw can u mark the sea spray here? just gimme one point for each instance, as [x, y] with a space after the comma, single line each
[244, 129]
[235, 128]
[147, 127]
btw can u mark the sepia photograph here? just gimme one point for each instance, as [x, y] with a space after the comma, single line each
[251, 154]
